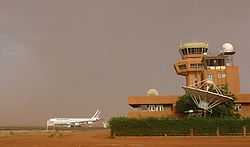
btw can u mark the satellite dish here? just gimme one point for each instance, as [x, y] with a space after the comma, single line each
[205, 99]
[152, 92]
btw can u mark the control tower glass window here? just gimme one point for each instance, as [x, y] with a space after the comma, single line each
[197, 50]
[204, 50]
[194, 51]
[189, 50]
[184, 51]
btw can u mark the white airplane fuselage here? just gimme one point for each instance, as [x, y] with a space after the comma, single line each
[73, 121]
[68, 121]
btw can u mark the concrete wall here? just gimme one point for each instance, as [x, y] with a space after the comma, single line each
[144, 114]
[164, 99]
[245, 110]
[169, 103]
[231, 78]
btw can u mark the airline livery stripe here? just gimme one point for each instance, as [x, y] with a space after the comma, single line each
[97, 113]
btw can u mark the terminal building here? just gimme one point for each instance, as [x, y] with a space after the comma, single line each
[196, 65]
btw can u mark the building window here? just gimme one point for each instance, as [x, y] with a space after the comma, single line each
[151, 107]
[204, 50]
[144, 108]
[221, 75]
[182, 66]
[221, 62]
[196, 83]
[200, 50]
[211, 62]
[195, 65]
[159, 107]
[237, 106]
[184, 51]
[211, 77]
[169, 107]
[195, 75]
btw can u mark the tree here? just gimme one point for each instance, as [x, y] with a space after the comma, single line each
[225, 109]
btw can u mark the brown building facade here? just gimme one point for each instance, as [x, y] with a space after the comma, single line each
[196, 66]
[152, 106]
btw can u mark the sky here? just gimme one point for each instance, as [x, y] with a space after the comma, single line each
[68, 58]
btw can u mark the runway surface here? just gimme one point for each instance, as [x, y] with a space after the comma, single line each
[101, 138]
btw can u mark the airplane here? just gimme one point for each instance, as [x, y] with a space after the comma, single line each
[73, 122]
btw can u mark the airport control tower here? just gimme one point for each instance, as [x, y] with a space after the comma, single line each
[196, 65]
[190, 66]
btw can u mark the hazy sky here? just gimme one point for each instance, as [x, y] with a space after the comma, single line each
[68, 58]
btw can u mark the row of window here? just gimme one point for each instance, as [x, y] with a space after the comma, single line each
[195, 65]
[187, 51]
[215, 67]
[152, 107]
[160, 107]
[181, 67]
[215, 62]
[219, 76]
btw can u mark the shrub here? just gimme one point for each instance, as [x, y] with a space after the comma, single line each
[122, 126]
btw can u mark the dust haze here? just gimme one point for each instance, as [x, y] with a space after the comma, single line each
[68, 58]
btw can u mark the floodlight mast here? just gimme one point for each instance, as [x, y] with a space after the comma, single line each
[203, 98]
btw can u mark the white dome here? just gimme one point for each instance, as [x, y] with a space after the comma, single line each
[227, 47]
[152, 92]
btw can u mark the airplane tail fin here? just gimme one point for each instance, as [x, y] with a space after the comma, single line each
[97, 114]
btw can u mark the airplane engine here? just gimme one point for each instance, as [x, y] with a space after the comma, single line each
[77, 124]
[90, 122]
